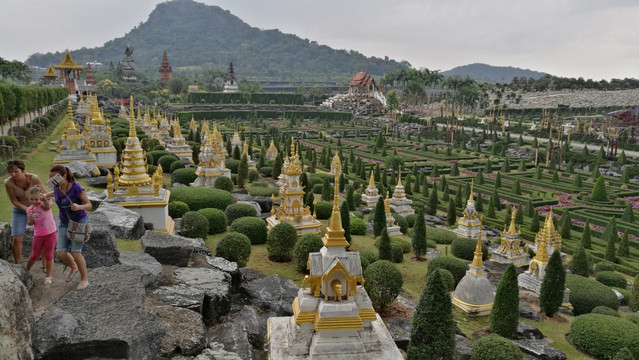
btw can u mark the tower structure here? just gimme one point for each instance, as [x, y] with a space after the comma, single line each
[371, 194]
[230, 82]
[69, 72]
[166, 71]
[98, 134]
[399, 202]
[212, 162]
[510, 250]
[390, 220]
[551, 236]
[50, 76]
[271, 152]
[336, 165]
[90, 77]
[129, 74]
[469, 225]
[72, 145]
[292, 209]
[133, 188]
[178, 146]
[475, 294]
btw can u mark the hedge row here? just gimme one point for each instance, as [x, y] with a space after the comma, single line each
[244, 98]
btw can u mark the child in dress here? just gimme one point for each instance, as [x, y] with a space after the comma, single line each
[39, 215]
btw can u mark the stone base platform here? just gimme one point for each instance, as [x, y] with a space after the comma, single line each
[518, 261]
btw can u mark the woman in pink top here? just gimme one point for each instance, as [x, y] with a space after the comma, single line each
[39, 215]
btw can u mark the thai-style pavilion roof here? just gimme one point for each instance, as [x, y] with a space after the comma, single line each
[68, 64]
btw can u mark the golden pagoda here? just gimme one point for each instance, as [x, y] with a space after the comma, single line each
[271, 152]
[371, 194]
[292, 209]
[163, 129]
[334, 318]
[178, 146]
[236, 142]
[551, 236]
[212, 162]
[474, 294]
[72, 146]
[50, 76]
[98, 134]
[469, 225]
[193, 125]
[133, 188]
[390, 220]
[336, 165]
[510, 250]
[399, 202]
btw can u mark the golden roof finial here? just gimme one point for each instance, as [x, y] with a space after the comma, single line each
[399, 181]
[292, 147]
[335, 233]
[542, 251]
[371, 181]
[470, 197]
[511, 229]
[477, 258]
[70, 124]
[132, 133]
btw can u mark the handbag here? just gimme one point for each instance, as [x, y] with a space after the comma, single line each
[76, 231]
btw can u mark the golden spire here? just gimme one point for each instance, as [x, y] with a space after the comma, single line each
[132, 133]
[477, 259]
[511, 229]
[371, 181]
[70, 123]
[550, 225]
[542, 251]
[399, 182]
[292, 147]
[470, 197]
[335, 233]
[245, 148]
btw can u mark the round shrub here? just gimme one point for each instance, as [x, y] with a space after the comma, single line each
[223, 183]
[194, 225]
[157, 154]
[253, 227]
[455, 266]
[281, 241]
[317, 188]
[401, 222]
[234, 247]
[403, 244]
[612, 279]
[465, 249]
[257, 189]
[602, 336]
[306, 244]
[368, 257]
[397, 254]
[216, 219]
[10, 141]
[177, 209]
[358, 226]
[448, 279]
[604, 310]
[166, 161]
[586, 294]
[324, 209]
[177, 164]
[150, 169]
[410, 220]
[440, 236]
[183, 176]
[201, 198]
[604, 266]
[495, 347]
[253, 175]
[237, 211]
[383, 282]
[266, 170]
[232, 164]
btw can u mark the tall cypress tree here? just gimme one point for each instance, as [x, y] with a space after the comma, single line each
[458, 198]
[611, 250]
[419, 235]
[623, 250]
[529, 211]
[350, 198]
[633, 303]
[628, 214]
[277, 166]
[346, 221]
[579, 264]
[479, 204]
[516, 187]
[433, 200]
[534, 223]
[425, 187]
[585, 236]
[565, 226]
[498, 180]
[552, 288]
[496, 202]
[379, 219]
[599, 190]
[452, 214]
[432, 335]
[504, 316]
[385, 252]
[519, 216]
[242, 171]
[491, 208]
[479, 178]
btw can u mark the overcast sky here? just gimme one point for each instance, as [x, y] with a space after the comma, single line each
[595, 39]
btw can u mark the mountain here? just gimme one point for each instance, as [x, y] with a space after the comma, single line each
[492, 74]
[195, 34]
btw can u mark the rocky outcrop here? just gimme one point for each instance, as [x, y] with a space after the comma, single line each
[273, 292]
[217, 352]
[151, 268]
[172, 249]
[107, 320]
[528, 331]
[539, 349]
[185, 331]
[5, 240]
[463, 346]
[122, 222]
[16, 315]
[80, 169]
[95, 198]
[242, 333]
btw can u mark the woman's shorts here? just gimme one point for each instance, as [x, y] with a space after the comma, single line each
[18, 222]
[64, 243]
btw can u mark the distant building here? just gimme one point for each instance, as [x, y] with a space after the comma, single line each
[362, 84]
[166, 71]
[128, 67]
[230, 82]
[90, 78]
[69, 76]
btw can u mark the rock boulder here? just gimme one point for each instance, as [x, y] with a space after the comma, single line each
[273, 292]
[122, 222]
[172, 249]
[16, 316]
[185, 331]
[151, 268]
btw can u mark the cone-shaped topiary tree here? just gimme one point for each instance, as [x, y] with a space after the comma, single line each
[505, 167]
[491, 208]
[599, 190]
[458, 198]
[552, 288]
[529, 211]
[585, 236]
[350, 198]
[579, 264]
[346, 221]
[504, 316]
[432, 202]
[611, 250]
[479, 178]
[628, 214]
[385, 251]
[623, 250]
[242, 171]
[379, 218]
[534, 223]
[633, 304]
[432, 335]
[566, 223]
[555, 177]
[419, 235]
[519, 216]
[479, 204]
[516, 187]
[496, 201]
[577, 182]
[452, 214]
[498, 180]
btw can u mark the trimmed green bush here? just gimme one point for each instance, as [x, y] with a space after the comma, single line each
[410, 220]
[177, 209]
[358, 226]
[232, 164]
[405, 245]
[455, 266]
[317, 188]
[253, 227]
[604, 266]
[234, 247]
[176, 165]
[604, 310]
[447, 278]
[216, 219]
[150, 169]
[440, 236]
[306, 244]
[401, 222]
[383, 283]
[367, 257]
[201, 198]
[253, 176]
[183, 176]
[266, 170]
[223, 183]
[495, 347]
[194, 225]
[323, 210]
[602, 336]
[397, 254]
[256, 189]
[236, 211]
[166, 161]
[281, 241]
[465, 249]
[586, 294]
[552, 288]
[612, 279]
[504, 317]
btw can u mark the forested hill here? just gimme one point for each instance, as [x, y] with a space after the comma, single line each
[492, 74]
[193, 33]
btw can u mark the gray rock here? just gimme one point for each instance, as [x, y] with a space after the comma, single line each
[529, 331]
[217, 352]
[273, 292]
[19, 271]
[539, 349]
[5, 240]
[80, 169]
[432, 253]
[434, 220]
[243, 333]
[463, 346]
[527, 312]
[172, 249]
[124, 223]
[185, 331]
[96, 198]
[97, 181]
[16, 316]
[151, 268]
[228, 267]
[248, 274]
[620, 296]
[400, 331]
[107, 320]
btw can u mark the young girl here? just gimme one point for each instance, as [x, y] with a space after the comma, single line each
[39, 215]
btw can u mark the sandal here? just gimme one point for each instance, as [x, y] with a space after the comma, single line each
[82, 287]
[47, 281]
[44, 269]
[71, 275]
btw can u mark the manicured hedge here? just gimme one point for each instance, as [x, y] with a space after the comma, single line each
[234, 247]
[183, 176]
[586, 294]
[177, 209]
[306, 244]
[404, 245]
[194, 225]
[260, 188]
[440, 236]
[241, 98]
[253, 227]
[216, 219]
[604, 310]
[455, 266]
[358, 226]
[612, 279]
[602, 336]
[368, 257]
[236, 211]
[465, 249]
[201, 198]
[495, 347]
[323, 210]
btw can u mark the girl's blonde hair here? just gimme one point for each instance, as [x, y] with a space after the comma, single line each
[35, 190]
